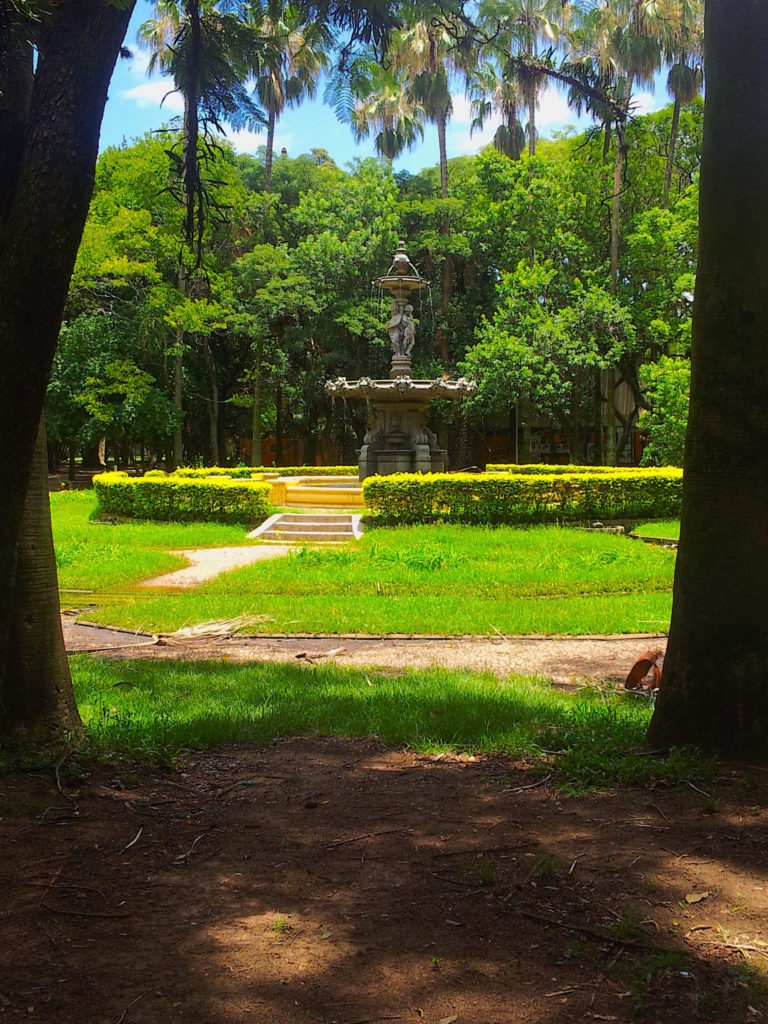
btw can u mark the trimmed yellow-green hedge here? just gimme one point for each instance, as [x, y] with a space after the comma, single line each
[256, 472]
[548, 469]
[180, 500]
[493, 499]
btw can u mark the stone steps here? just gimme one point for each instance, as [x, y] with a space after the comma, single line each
[289, 528]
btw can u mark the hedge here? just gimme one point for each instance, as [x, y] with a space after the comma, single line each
[256, 472]
[551, 468]
[493, 499]
[182, 500]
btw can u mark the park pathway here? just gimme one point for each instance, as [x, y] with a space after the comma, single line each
[565, 660]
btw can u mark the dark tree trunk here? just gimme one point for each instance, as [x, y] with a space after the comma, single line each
[213, 401]
[441, 336]
[279, 425]
[673, 132]
[714, 690]
[532, 121]
[270, 153]
[256, 423]
[38, 705]
[39, 236]
[72, 468]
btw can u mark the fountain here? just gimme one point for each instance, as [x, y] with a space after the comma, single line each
[398, 439]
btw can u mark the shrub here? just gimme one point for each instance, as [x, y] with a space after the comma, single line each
[256, 472]
[182, 500]
[555, 469]
[493, 499]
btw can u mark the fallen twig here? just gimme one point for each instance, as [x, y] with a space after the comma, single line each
[592, 932]
[133, 841]
[366, 835]
[79, 913]
[452, 881]
[486, 849]
[532, 785]
[133, 1003]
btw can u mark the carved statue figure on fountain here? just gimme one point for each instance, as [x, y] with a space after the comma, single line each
[402, 329]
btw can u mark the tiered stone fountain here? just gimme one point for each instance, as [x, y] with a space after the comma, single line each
[398, 439]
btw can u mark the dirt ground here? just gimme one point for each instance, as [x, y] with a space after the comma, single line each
[566, 660]
[341, 881]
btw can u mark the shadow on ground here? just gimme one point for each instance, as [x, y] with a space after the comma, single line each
[321, 879]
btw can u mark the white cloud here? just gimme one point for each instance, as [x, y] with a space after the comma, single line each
[139, 62]
[248, 142]
[153, 94]
[462, 111]
[645, 103]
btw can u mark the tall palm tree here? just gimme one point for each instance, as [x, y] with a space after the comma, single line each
[683, 48]
[374, 100]
[490, 92]
[295, 53]
[619, 44]
[714, 690]
[209, 52]
[421, 53]
[524, 26]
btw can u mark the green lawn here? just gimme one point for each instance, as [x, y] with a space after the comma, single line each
[431, 579]
[157, 710]
[664, 529]
[99, 556]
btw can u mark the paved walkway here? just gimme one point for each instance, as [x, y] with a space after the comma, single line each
[205, 563]
[564, 660]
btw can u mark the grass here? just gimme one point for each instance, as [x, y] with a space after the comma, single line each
[157, 710]
[664, 529]
[99, 556]
[431, 579]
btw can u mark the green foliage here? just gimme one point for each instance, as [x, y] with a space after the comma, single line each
[182, 500]
[668, 389]
[526, 498]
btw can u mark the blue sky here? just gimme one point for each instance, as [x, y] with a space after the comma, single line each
[134, 107]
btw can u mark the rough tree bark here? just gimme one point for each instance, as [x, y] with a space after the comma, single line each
[673, 133]
[38, 703]
[714, 690]
[270, 151]
[45, 214]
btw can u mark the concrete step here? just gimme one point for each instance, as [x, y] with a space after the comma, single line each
[319, 529]
[286, 526]
[285, 536]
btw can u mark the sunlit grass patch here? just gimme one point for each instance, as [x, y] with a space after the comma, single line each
[157, 710]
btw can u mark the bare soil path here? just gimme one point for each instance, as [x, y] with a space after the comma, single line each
[207, 563]
[565, 660]
[339, 881]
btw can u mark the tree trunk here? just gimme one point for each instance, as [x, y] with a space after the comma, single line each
[39, 236]
[598, 416]
[714, 690]
[279, 425]
[671, 155]
[526, 415]
[38, 705]
[610, 416]
[446, 281]
[178, 380]
[256, 428]
[213, 401]
[269, 155]
[72, 468]
[532, 121]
